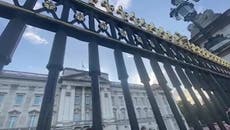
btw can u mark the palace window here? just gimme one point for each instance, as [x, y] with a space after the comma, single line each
[37, 99]
[139, 112]
[77, 100]
[115, 113]
[106, 95]
[146, 112]
[123, 114]
[77, 115]
[135, 101]
[139, 101]
[12, 119]
[143, 100]
[68, 94]
[2, 95]
[19, 99]
[143, 128]
[33, 119]
[88, 115]
[87, 100]
[113, 101]
[121, 100]
[150, 114]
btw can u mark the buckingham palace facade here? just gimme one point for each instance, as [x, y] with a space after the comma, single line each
[21, 96]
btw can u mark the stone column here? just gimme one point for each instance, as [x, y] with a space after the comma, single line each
[61, 104]
[107, 111]
[83, 104]
[68, 104]
[71, 105]
[66, 110]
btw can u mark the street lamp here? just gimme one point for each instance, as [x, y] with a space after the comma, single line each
[185, 10]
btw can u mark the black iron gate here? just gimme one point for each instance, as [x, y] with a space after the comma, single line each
[197, 69]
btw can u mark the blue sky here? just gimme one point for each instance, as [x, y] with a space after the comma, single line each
[32, 53]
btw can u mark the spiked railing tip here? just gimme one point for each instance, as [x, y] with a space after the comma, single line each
[93, 2]
[132, 16]
[120, 10]
[104, 3]
[176, 38]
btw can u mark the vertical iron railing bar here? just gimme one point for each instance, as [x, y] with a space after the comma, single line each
[199, 63]
[123, 77]
[11, 35]
[198, 87]
[193, 58]
[197, 84]
[214, 102]
[163, 83]
[214, 66]
[29, 4]
[224, 83]
[179, 56]
[54, 14]
[188, 85]
[186, 52]
[145, 80]
[130, 36]
[176, 83]
[16, 2]
[54, 66]
[225, 70]
[220, 89]
[221, 101]
[225, 80]
[222, 115]
[209, 86]
[94, 72]
[221, 96]
[145, 44]
[215, 97]
[202, 111]
[220, 109]
[189, 56]
[157, 46]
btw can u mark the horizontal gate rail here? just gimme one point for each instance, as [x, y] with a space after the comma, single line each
[47, 23]
[123, 77]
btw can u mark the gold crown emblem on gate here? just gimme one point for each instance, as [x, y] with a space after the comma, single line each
[176, 38]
